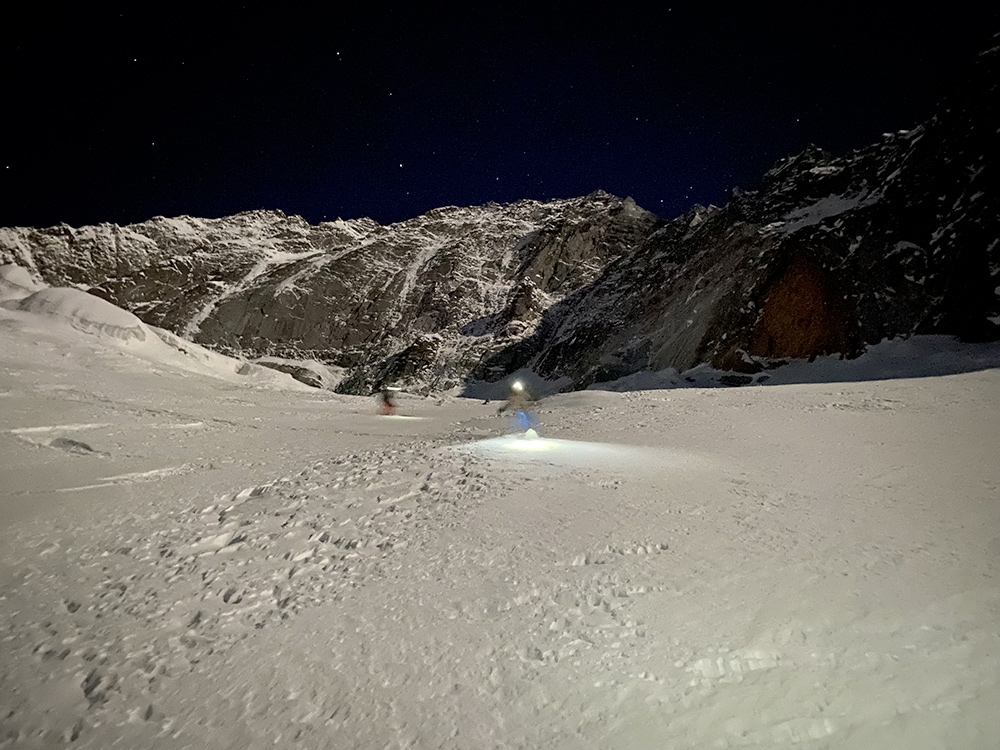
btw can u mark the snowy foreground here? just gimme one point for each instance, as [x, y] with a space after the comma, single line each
[188, 559]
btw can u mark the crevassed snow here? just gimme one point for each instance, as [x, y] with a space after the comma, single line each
[329, 376]
[643, 381]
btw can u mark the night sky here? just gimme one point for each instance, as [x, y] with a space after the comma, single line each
[118, 115]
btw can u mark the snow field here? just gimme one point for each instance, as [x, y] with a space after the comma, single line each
[800, 566]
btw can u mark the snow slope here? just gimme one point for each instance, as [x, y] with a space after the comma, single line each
[194, 561]
[58, 315]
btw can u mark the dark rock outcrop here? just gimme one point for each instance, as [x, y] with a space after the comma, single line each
[827, 255]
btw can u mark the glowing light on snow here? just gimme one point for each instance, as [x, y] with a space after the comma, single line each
[579, 453]
[532, 444]
[519, 443]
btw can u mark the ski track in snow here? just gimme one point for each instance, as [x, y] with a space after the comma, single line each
[440, 590]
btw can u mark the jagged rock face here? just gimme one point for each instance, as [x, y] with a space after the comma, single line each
[417, 303]
[827, 255]
[801, 314]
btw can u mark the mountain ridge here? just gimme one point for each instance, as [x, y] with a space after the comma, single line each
[361, 292]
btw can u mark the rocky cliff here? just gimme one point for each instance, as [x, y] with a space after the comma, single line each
[827, 255]
[418, 303]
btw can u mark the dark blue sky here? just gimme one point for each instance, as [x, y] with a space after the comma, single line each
[120, 115]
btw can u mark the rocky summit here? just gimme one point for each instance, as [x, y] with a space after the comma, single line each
[827, 255]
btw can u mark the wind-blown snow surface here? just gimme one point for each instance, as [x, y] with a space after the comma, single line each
[188, 561]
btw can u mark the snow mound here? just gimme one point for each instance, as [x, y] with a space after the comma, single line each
[914, 357]
[53, 312]
[16, 282]
[82, 311]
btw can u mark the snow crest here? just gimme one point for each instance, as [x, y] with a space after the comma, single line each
[83, 311]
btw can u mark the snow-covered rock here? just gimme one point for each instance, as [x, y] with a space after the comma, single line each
[310, 372]
[16, 282]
